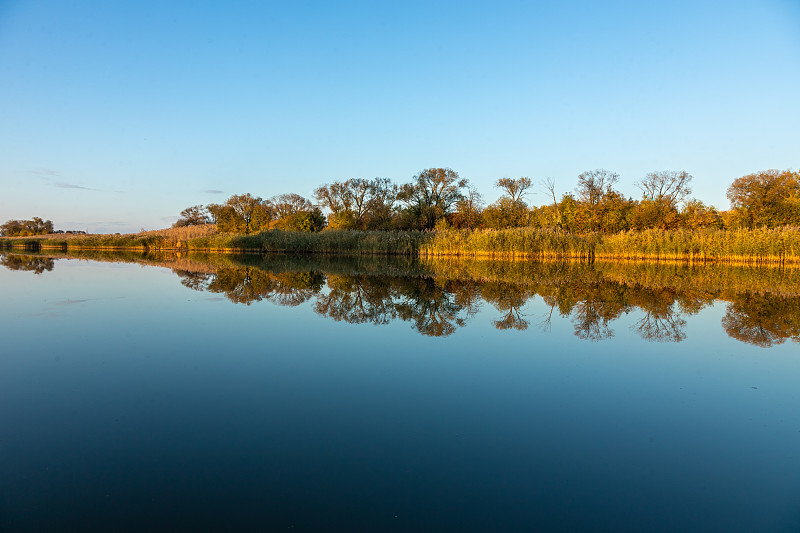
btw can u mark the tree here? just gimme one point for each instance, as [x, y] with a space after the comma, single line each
[197, 215]
[696, 214]
[662, 193]
[768, 198]
[431, 195]
[667, 187]
[594, 186]
[510, 211]
[381, 204]
[242, 213]
[311, 220]
[469, 210]
[358, 203]
[24, 228]
[290, 204]
[506, 213]
[550, 186]
[514, 188]
[337, 197]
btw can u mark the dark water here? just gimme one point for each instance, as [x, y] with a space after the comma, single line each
[258, 394]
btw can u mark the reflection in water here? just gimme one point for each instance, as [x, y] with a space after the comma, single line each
[763, 320]
[29, 263]
[438, 297]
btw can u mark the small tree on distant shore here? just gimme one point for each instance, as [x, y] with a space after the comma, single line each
[24, 228]
[197, 215]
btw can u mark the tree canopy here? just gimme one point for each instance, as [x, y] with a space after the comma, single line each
[24, 228]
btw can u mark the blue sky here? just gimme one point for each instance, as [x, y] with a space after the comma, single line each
[114, 116]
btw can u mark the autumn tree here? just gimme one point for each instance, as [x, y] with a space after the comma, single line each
[296, 213]
[695, 215]
[469, 210]
[381, 203]
[662, 194]
[768, 198]
[24, 228]
[431, 195]
[509, 211]
[242, 213]
[197, 215]
[514, 188]
[594, 188]
[358, 203]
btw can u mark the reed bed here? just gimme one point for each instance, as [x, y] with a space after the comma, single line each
[714, 278]
[325, 242]
[758, 246]
[164, 239]
[511, 244]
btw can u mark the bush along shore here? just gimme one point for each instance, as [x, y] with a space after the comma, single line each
[754, 246]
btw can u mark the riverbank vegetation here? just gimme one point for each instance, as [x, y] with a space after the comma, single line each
[439, 214]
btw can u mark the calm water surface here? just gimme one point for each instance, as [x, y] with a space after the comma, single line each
[259, 394]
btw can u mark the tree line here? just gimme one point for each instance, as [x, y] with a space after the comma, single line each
[25, 228]
[439, 198]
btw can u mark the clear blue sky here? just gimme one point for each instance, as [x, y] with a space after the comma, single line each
[114, 116]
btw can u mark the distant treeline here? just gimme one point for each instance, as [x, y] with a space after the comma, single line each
[438, 198]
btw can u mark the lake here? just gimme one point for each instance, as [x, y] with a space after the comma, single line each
[247, 393]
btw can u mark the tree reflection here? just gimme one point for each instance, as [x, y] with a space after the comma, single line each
[597, 306]
[197, 281]
[430, 306]
[358, 300]
[437, 305]
[27, 263]
[508, 298]
[661, 322]
[763, 320]
[248, 284]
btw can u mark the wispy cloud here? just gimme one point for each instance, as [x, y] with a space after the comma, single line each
[65, 185]
[212, 191]
[70, 302]
[49, 176]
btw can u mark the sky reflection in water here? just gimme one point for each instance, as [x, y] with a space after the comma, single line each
[134, 399]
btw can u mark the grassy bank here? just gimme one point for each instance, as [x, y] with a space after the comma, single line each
[759, 246]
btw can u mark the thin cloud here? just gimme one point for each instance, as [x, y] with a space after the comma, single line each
[48, 175]
[71, 302]
[212, 191]
[42, 172]
[65, 185]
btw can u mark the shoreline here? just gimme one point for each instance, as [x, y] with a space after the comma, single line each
[779, 246]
